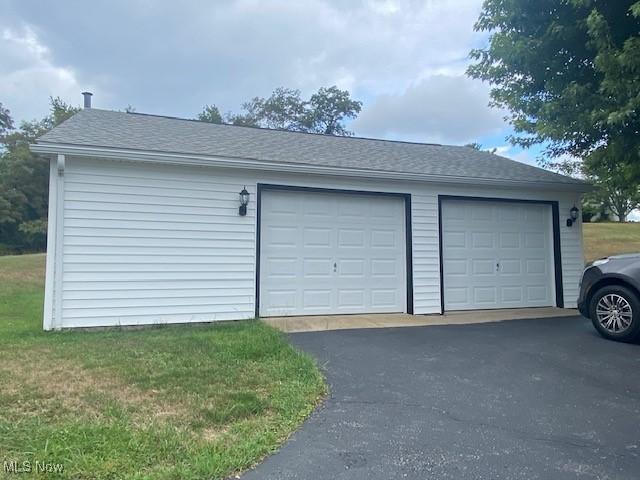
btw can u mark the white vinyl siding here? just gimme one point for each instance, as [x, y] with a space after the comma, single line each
[426, 257]
[145, 243]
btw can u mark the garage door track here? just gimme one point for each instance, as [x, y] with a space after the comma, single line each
[529, 399]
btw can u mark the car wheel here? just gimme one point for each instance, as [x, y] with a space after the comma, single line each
[615, 312]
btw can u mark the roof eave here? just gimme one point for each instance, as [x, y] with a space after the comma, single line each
[49, 148]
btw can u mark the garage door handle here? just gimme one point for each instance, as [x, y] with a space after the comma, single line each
[335, 267]
[498, 267]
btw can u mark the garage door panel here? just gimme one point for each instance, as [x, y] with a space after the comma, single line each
[509, 213]
[537, 293]
[352, 267]
[350, 238]
[510, 266]
[282, 236]
[509, 240]
[281, 207]
[512, 295]
[454, 239]
[507, 249]
[349, 298]
[479, 213]
[282, 267]
[384, 238]
[535, 216]
[457, 295]
[480, 240]
[345, 261]
[483, 267]
[320, 211]
[536, 267]
[384, 298]
[353, 207]
[317, 267]
[384, 268]
[282, 299]
[534, 240]
[485, 295]
[315, 237]
[316, 299]
[457, 266]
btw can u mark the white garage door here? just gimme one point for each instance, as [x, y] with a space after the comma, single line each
[331, 253]
[497, 255]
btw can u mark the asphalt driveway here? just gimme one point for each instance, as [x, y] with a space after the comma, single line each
[527, 399]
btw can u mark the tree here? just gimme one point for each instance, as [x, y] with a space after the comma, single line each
[325, 112]
[283, 110]
[251, 115]
[6, 123]
[567, 71]
[614, 190]
[211, 114]
[24, 183]
[478, 146]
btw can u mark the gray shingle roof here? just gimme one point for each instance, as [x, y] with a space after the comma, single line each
[103, 128]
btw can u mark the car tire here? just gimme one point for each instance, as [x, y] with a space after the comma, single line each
[610, 300]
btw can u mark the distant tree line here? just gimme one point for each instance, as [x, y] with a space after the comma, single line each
[24, 180]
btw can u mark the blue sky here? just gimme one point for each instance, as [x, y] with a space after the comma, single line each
[404, 59]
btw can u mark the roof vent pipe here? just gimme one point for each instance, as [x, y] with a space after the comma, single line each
[87, 99]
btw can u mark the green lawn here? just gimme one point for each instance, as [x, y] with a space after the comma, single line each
[180, 402]
[604, 239]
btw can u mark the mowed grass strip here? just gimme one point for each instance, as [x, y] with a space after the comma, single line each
[173, 402]
[604, 239]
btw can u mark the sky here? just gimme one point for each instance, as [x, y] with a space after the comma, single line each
[405, 60]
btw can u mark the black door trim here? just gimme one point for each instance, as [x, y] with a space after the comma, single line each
[557, 254]
[408, 236]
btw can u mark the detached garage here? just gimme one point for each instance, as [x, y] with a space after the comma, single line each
[162, 220]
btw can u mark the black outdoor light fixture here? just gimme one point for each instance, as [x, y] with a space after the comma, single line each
[244, 200]
[573, 214]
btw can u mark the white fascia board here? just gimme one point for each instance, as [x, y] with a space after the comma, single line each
[253, 164]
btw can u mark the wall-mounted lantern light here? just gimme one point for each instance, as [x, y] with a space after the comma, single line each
[244, 200]
[573, 216]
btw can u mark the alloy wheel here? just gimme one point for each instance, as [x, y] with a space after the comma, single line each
[614, 313]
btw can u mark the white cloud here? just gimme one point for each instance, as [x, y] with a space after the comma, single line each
[28, 77]
[445, 109]
[174, 57]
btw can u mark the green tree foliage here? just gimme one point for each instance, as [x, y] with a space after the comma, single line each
[568, 71]
[325, 112]
[24, 182]
[282, 110]
[614, 190]
[478, 146]
[6, 122]
[211, 114]
[327, 109]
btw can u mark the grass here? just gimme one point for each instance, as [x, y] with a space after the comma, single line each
[604, 239]
[173, 402]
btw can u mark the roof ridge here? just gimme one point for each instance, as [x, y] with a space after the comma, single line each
[254, 127]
